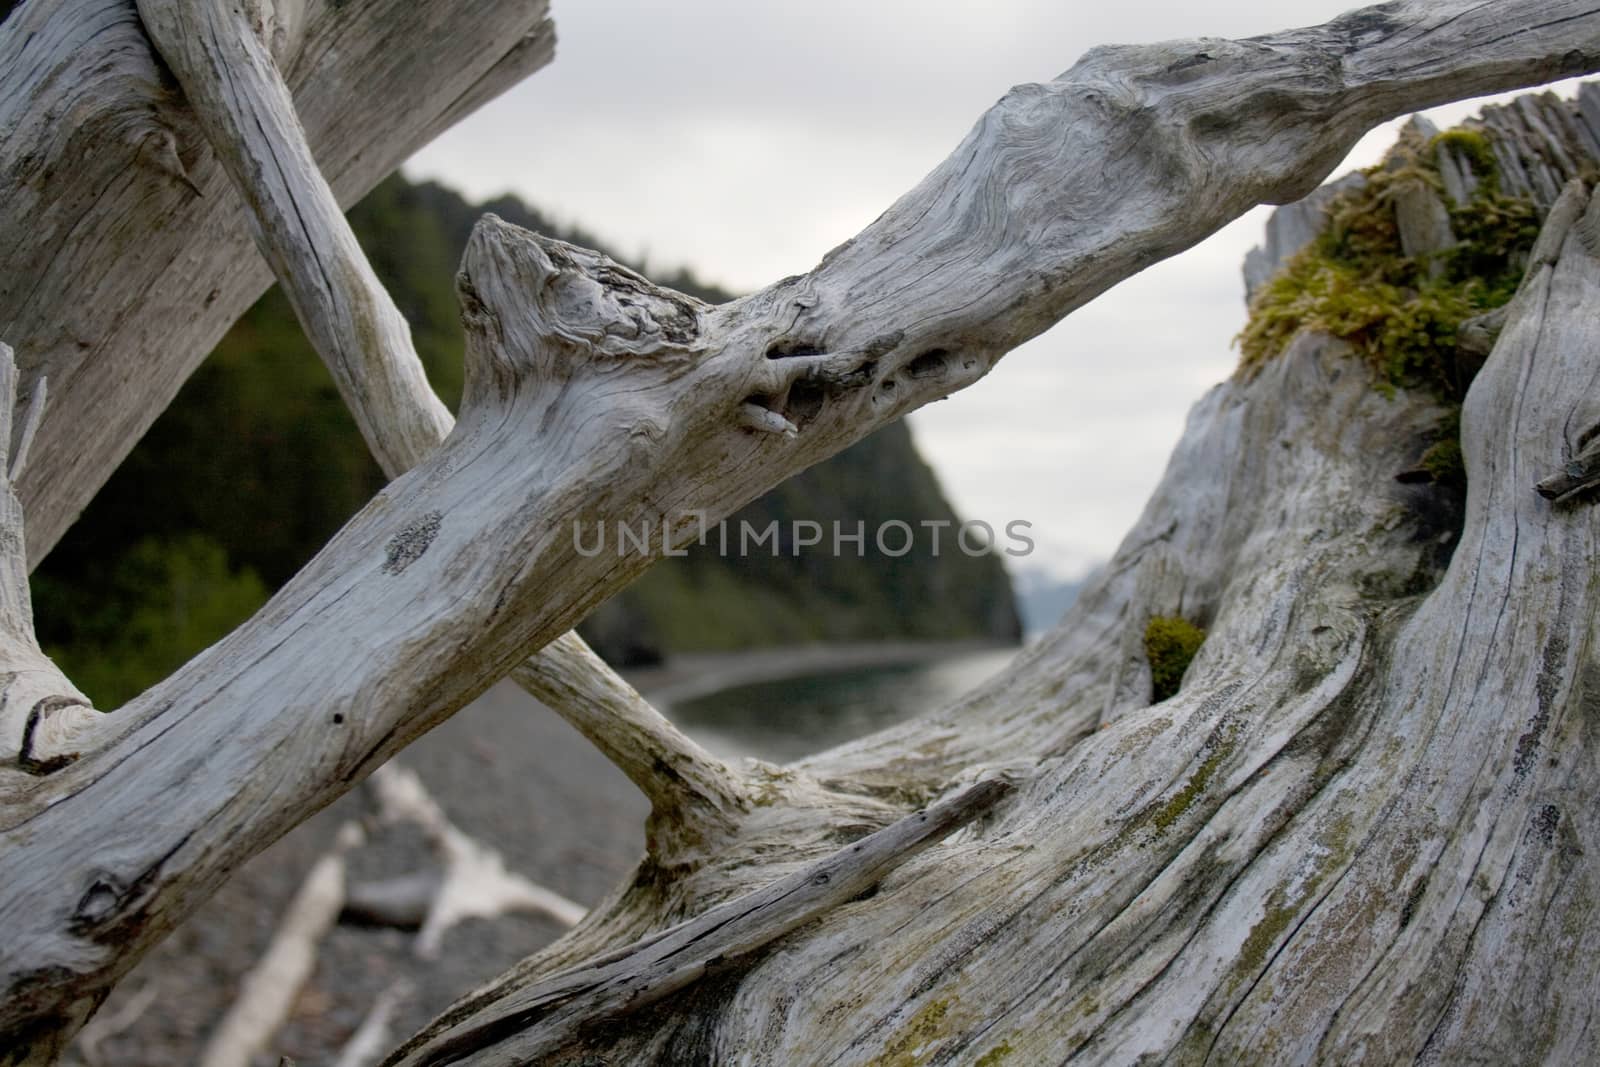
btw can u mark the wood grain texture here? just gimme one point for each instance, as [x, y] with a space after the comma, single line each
[544, 1016]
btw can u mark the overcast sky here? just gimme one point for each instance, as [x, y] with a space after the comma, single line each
[746, 139]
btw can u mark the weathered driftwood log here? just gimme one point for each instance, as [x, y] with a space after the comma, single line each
[1235, 869]
[1362, 832]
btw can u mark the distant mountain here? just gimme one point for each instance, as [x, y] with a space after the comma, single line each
[257, 463]
[1042, 599]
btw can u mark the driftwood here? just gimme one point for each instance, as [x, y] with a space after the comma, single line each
[473, 884]
[269, 990]
[544, 1015]
[371, 1039]
[1360, 830]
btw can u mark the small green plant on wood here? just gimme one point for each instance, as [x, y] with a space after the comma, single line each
[1170, 643]
[1443, 459]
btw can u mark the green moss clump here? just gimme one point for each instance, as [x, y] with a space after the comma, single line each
[1170, 643]
[1496, 232]
[1444, 462]
[1400, 312]
[1479, 153]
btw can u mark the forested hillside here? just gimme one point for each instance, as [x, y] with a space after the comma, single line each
[257, 462]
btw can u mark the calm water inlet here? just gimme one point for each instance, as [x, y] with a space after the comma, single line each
[790, 718]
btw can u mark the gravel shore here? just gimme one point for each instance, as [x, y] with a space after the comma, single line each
[508, 772]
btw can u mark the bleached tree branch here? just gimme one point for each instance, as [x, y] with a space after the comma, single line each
[104, 1027]
[268, 992]
[372, 1039]
[221, 59]
[475, 883]
[691, 792]
[43, 716]
[220, 56]
[126, 252]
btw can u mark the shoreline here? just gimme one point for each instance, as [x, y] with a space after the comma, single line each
[691, 675]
